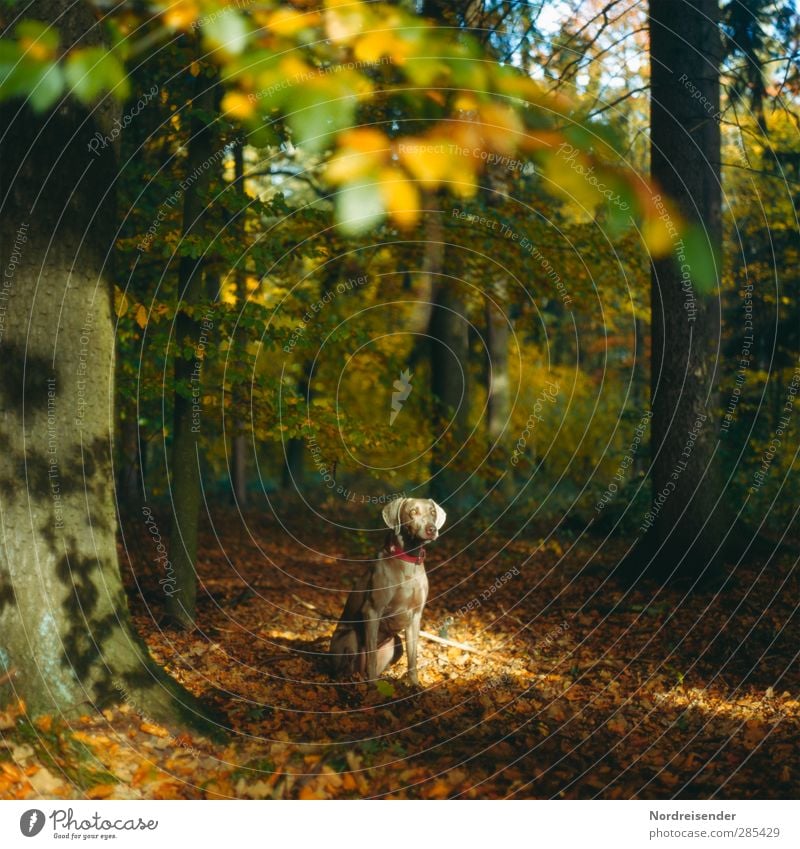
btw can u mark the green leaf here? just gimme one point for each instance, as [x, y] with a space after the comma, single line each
[48, 89]
[93, 70]
[385, 688]
[226, 30]
[359, 208]
[700, 257]
[37, 31]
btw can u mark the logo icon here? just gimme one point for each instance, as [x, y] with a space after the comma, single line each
[31, 822]
[403, 390]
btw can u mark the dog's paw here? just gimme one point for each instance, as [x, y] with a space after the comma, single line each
[411, 681]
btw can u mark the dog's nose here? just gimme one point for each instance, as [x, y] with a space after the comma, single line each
[430, 530]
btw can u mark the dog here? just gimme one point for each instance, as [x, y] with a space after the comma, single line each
[389, 597]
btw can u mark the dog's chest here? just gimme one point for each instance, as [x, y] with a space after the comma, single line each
[408, 597]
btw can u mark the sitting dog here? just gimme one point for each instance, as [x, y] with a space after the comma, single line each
[389, 597]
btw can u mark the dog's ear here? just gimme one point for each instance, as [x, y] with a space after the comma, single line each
[391, 514]
[441, 516]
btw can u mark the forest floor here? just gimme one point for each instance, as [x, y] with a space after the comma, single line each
[570, 686]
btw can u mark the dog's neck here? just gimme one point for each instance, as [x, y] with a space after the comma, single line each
[398, 544]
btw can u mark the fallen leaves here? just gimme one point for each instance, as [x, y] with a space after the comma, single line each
[548, 689]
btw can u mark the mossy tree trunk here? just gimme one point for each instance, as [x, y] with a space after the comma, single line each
[66, 639]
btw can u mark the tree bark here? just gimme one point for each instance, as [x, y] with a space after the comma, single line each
[449, 331]
[239, 448]
[498, 404]
[66, 639]
[193, 334]
[682, 527]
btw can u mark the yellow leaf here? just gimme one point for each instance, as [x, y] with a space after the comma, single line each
[501, 126]
[307, 793]
[121, 302]
[439, 790]
[155, 730]
[44, 723]
[288, 22]
[344, 20]
[400, 197]
[181, 14]
[657, 235]
[238, 105]
[362, 150]
[37, 50]
[429, 160]
[141, 316]
[372, 46]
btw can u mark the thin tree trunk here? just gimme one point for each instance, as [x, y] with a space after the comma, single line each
[187, 415]
[682, 527]
[449, 361]
[66, 639]
[128, 489]
[239, 459]
[498, 384]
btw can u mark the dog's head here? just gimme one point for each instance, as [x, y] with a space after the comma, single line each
[414, 519]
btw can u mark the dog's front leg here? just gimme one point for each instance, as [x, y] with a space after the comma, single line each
[412, 640]
[371, 622]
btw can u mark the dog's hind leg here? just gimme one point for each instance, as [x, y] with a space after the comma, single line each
[346, 655]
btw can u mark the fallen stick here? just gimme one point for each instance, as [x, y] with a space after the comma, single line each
[309, 606]
[452, 643]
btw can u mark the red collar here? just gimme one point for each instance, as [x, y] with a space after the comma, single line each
[393, 551]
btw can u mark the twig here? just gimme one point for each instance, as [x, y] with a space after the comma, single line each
[324, 615]
[442, 641]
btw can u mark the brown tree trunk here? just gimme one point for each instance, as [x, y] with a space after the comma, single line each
[66, 639]
[239, 448]
[449, 331]
[191, 333]
[682, 526]
[498, 402]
